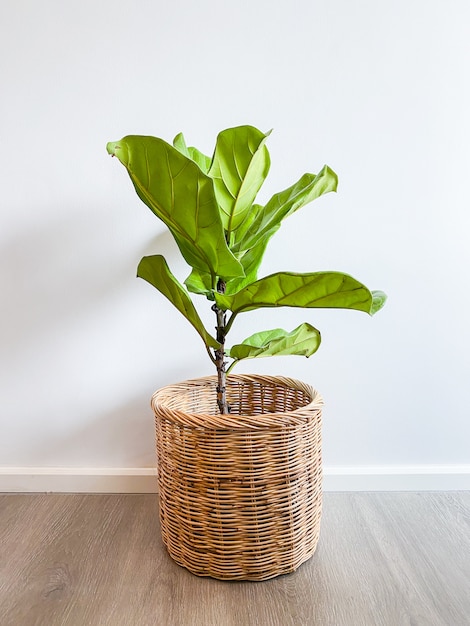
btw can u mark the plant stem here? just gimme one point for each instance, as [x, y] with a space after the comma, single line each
[220, 354]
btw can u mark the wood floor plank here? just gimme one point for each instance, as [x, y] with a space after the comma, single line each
[384, 559]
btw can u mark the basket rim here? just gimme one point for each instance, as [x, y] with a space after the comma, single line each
[280, 419]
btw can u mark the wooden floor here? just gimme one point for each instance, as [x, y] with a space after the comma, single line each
[384, 559]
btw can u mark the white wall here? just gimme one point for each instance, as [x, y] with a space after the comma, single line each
[378, 90]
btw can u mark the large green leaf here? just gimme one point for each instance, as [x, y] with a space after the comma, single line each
[192, 153]
[181, 195]
[303, 340]
[265, 221]
[155, 271]
[316, 290]
[239, 167]
[252, 237]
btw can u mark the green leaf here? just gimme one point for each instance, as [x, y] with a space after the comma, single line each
[239, 167]
[194, 154]
[252, 237]
[250, 260]
[179, 143]
[316, 290]
[202, 160]
[379, 298]
[200, 283]
[155, 271]
[267, 219]
[303, 341]
[181, 195]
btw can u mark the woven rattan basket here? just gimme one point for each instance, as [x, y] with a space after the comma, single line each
[240, 494]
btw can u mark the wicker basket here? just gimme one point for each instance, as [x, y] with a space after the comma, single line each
[240, 494]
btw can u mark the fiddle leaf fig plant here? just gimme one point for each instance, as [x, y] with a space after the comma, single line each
[208, 204]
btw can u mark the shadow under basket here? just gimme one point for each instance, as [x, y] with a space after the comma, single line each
[240, 494]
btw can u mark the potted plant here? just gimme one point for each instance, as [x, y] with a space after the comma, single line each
[239, 457]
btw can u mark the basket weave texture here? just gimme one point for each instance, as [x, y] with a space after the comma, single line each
[240, 494]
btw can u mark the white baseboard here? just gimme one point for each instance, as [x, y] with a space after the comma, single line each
[397, 478]
[78, 480]
[143, 480]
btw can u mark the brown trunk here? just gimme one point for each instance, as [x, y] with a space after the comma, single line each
[220, 355]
